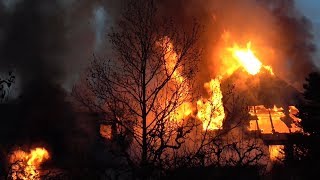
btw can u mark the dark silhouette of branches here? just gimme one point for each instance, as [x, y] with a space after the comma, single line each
[141, 90]
[149, 76]
[309, 109]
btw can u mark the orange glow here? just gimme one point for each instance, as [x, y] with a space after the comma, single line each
[105, 131]
[211, 111]
[182, 111]
[276, 152]
[25, 165]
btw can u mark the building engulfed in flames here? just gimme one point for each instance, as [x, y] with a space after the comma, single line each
[266, 116]
[242, 62]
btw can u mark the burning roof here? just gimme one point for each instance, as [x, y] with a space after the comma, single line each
[262, 88]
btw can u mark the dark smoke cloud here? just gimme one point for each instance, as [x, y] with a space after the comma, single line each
[76, 33]
[296, 43]
[34, 41]
[33, 44]
[37, 40]
[81, 26]
[282, 36]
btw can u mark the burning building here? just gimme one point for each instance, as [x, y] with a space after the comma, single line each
[270, 100]
[264, 62]
[257, 57]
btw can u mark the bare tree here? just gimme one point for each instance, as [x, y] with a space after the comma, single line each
[149, 77]
[144, 88]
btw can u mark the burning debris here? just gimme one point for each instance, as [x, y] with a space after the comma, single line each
[26, 165]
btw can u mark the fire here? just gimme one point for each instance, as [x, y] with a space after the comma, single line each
[274, 119]
[211, 111]
[276, 152]
[25, 165]
[247, 58]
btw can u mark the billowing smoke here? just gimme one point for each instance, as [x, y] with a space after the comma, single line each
[33, 44]
[281, 36]
[45, 42]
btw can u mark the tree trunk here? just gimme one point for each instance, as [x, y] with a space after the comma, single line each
[144, 115]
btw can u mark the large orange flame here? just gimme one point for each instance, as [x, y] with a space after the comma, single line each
[25, 165]
[172, 66]
[247, 59]
[211, 111]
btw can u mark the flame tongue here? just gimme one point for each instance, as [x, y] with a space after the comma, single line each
[37, 156]
[211, 111]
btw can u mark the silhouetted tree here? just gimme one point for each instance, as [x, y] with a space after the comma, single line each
[141, 90]
[310, 108]
[304, 160]
[148, 78]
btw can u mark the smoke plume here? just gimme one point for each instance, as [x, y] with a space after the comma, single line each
[281, 36]
[37, 41]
